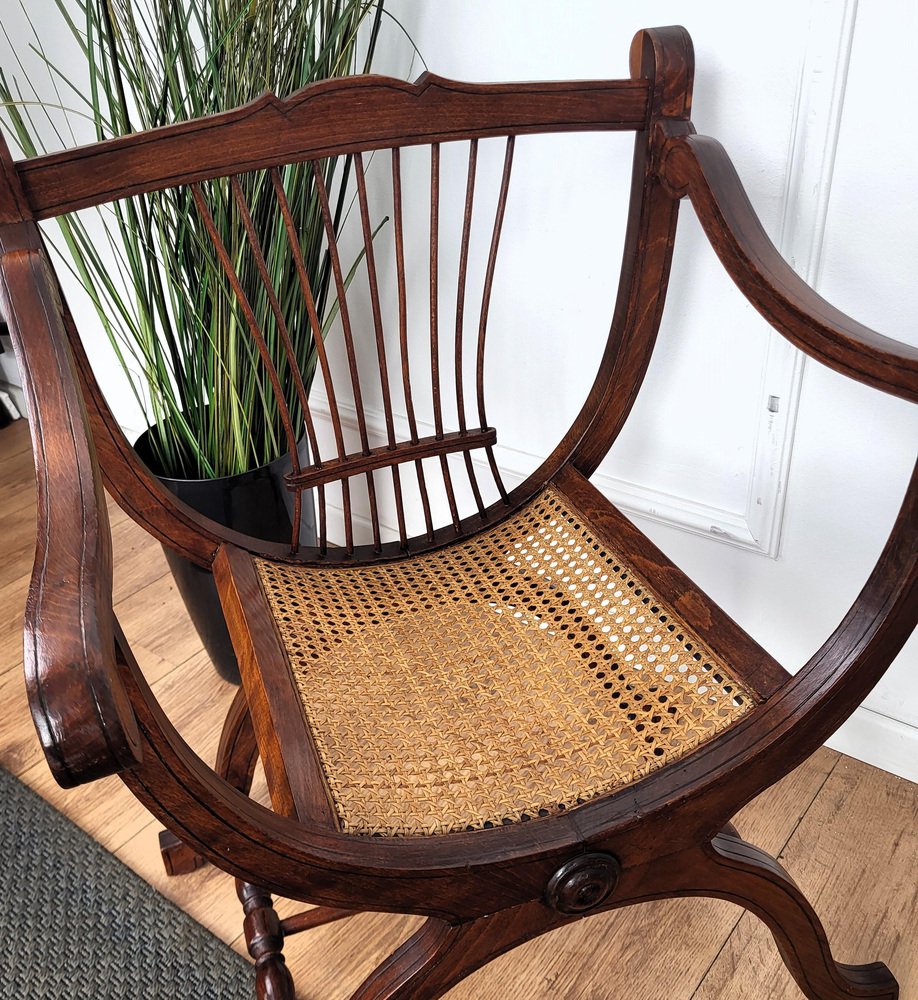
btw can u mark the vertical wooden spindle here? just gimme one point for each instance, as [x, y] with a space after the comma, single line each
[318, 340]
[460, 314]
[257, 334]
[264, 938]
[348, 515]
[380, 339]
[403, 331]
[335, 258]
[485, 306]
[323, 520]
[434, 324]
[284, 334]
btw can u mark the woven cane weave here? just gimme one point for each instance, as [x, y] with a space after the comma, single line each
[515, 674]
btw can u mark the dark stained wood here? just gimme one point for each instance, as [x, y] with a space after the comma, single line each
[403, 331]
[84, 720]
[324, 119]
[378, 458]
[265, 939]
[381, 359]
[461, 281]
[316, 917]
[14, 206]
[434, 274]
[178, 858]
[353, 370]
[697, 166]
[435, 326]
[743, 874]
[486, 304]
[483, 892]
[460, 315]
[80, 709]
[297, 784]
[439, 956]
[367, 229]
[237, 753]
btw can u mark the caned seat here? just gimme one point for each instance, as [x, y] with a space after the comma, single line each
[501, 709]
[518, 673]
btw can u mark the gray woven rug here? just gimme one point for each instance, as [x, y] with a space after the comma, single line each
[77, 924]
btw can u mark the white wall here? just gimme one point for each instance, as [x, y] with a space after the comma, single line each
[62, 123]
[779, 516]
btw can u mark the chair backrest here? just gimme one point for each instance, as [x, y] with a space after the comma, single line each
[234, 162]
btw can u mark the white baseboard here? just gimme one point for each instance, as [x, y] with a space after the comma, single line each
[879, 740]
[17, 395]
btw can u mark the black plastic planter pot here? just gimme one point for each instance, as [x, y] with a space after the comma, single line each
[256, 503]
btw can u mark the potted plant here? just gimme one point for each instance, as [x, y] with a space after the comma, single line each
[214, 432]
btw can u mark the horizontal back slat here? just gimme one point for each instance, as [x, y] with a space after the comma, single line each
[328, 118]
[385, 456]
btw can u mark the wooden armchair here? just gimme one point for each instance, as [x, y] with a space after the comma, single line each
[503, 723]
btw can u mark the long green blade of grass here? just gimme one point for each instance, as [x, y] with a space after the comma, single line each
[161, 295]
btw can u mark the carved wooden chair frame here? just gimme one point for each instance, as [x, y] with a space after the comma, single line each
[485, 891]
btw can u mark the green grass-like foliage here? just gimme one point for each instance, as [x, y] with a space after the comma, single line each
[166, 305]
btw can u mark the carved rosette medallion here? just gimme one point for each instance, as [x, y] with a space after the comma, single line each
[583, 883]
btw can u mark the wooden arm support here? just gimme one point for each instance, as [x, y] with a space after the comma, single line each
[698, 167]
[83, 716]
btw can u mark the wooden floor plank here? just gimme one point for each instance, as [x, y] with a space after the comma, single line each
[16, 440]
[17, 479]
[18, 542]
[154, 617]
[855, 856]
[19, 747]
[137, 562]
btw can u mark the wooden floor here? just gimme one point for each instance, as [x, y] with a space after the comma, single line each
[847, 832]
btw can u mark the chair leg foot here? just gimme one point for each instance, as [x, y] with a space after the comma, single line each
[745, 875]
[265, 941]
[178, 857]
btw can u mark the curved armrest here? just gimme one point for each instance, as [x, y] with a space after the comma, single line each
[698, 166]
[80, 708]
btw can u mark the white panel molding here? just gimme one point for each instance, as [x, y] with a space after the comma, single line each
[815, 134]
[808, 182]
[678, 511]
